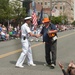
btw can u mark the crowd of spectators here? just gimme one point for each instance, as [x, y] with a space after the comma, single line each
[10, 32]
[64, 27]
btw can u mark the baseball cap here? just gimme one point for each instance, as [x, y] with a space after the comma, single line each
[27, 18]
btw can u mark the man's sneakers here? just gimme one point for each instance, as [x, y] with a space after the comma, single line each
[19, 66]
[46, 64]
[31, 64]
[52, 66]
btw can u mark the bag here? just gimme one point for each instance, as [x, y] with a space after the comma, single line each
[55, 38]
[51, 34]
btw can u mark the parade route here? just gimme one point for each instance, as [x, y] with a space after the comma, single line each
[10, 51]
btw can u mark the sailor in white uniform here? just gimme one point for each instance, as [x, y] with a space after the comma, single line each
[26, 48]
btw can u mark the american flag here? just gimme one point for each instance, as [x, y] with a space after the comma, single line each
[34, 17]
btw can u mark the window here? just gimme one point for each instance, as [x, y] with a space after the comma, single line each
[60, 7]
[41, 3]
[45, 3]
[55, 7]
[38, 3]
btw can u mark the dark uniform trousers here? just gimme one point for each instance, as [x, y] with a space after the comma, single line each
[50, 52]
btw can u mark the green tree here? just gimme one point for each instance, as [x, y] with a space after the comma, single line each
[18, 12]
[4, 9]
[11, 10]
[73, 23]
[56, 20]
[59, 20]
[64, 18]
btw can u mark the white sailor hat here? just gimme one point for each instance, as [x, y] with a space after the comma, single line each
[27, 18]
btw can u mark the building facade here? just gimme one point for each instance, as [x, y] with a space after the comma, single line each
[56, 8]
[65, 7]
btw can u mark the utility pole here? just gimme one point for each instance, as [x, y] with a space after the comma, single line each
[50, 9]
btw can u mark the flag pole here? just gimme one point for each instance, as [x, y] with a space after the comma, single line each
[50, 9]
[34, 16]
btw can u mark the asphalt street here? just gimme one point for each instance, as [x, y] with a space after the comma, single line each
[10, 51]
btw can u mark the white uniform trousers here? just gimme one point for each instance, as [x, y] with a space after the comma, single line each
[26, 53]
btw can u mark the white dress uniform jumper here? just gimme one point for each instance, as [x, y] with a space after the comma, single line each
[26, 48]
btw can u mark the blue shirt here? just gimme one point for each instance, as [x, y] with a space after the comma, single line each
[44, 32]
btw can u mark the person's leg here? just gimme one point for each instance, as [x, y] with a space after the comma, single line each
[29, 57]
[54, 52]
[3, 37]
[47, 53]
[22, 57]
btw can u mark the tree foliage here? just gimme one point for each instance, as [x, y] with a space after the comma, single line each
[56, 20]
[73, 23]
[18, 12]
[59, 20]
[11, 10]
[4, 8]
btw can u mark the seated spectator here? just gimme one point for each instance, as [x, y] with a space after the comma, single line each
[0, 27]
[0, 31]
[70, 69]
[18, 35]
[7, 36]
[10, 34]
[14, 34]
[3, 36]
